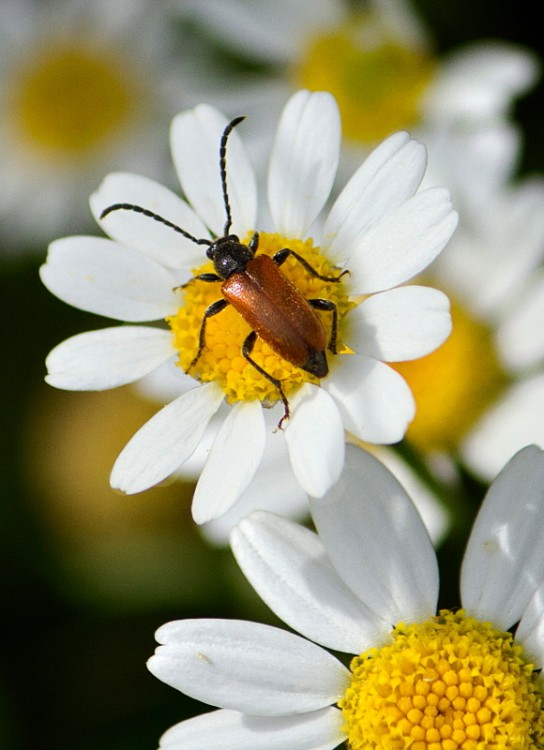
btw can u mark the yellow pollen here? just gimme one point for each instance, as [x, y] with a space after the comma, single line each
[376, 79]
[70, 98]
[454, 385]
[222, 360]
[449, 683]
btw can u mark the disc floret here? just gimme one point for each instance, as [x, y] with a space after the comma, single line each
[449, 683]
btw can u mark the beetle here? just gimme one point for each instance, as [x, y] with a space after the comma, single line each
[258, 290]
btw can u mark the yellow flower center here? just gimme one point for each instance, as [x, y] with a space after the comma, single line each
[454, 385]
[376, 79]
[69, 98]
[450, 683]
[221, 359]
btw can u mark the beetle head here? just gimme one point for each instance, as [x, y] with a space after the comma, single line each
[229, 255]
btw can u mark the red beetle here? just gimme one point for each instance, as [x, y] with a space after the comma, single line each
[266, 299]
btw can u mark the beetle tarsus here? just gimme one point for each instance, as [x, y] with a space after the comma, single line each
[286, 412]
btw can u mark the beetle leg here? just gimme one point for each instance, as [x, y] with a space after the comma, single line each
[212, 309]
[247, 348]
[282, 255]
[199, 277]
[254, 242]
[328, 306]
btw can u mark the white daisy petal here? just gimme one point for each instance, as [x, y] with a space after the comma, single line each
[400, 324]
[108, 358]
[234, 458]
[376, 540]
[272, 34]
[503, 562]
[304, 161]
[157, 241]
[194, 138]
[165, 383]
[429, 506]
[375, 402]
[480, 80]
[530, 631]
[475, 163]
[288, 567]
[404, 243]
[109, 279]
[258, 669]
[166, 440]
[521, 337]
[274, 488]
[506, 428]
[514, 217]
[387, 178]
[315, 439]
[231, 730]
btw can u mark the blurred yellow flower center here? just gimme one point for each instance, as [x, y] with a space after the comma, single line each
[449, 683]
[221, 359]
[69, 99]
[454, 385]
[376, 79]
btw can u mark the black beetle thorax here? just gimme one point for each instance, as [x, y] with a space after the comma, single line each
[229, 255]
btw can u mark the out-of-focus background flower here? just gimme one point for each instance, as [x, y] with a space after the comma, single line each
[88, 87]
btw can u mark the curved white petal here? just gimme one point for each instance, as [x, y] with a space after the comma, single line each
[247, 666]
[304, 161]
[530, 631]
[375, 402]
[488, 275]
[400, 324]
[503, 562]
[270, 33]
[377, 542]
[108, 358]
[288, 567]
[403, 243]
[387, 178]
[429, 507]
[234, 458]
[166, 440]
[194, 138]
[109, 279]
[315, 439]
[480, 81]
[166, 383]
[154, 239]
[274, 487]
[475, 163]
[232, 730]
[520, 338]
[511, 424]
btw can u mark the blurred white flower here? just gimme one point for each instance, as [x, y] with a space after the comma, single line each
[83, 88]
[481, 395]
[379, 63]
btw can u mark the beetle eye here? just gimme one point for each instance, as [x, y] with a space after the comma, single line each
[210, 252]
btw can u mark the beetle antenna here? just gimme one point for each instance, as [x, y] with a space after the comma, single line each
[223, 169]
[156, 217]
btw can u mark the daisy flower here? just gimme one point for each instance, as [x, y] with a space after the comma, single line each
[382, 230]
[82, 89]
[367, 584]
[480, 396]
[379, 63]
